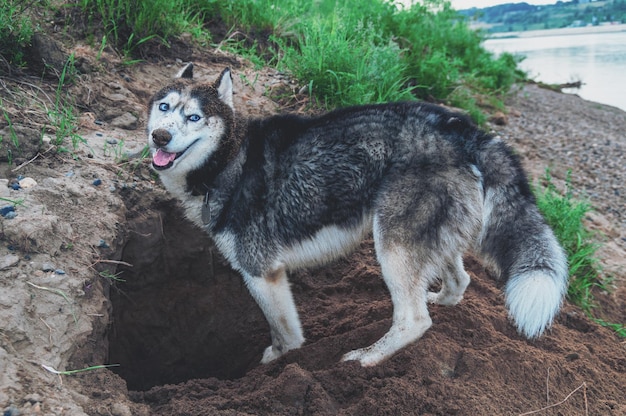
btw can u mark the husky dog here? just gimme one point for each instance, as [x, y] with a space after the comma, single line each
[285, 192]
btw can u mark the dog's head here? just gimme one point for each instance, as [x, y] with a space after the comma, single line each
[189, 123]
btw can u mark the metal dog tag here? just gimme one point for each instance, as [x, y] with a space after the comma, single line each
[206, 209]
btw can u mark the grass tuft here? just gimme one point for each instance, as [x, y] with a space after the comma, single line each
[565, 215]
[16, 30]
[128, 24]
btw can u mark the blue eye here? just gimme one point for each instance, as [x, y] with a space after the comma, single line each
[164, 106]
[194, 118]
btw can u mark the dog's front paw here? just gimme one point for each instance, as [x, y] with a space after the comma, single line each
[271, 353]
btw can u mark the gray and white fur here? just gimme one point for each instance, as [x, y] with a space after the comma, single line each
[285, 192]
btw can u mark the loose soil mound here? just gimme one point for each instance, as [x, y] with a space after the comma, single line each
[108, 271]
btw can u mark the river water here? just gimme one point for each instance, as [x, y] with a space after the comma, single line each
[596, 59]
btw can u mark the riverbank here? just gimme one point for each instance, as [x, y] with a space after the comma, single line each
[560, 32]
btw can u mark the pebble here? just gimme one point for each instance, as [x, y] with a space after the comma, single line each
[14, 184]
[47, 267]
[59, 271]
[11, 215]
[69, 174]
[11, 411]
[27, 183]
[120, 409]
[102, 244]
[4, 211]
[97, 182]
[111, 141]
[125, 121]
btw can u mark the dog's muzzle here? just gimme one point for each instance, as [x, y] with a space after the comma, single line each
[162, 159]
[161, 137]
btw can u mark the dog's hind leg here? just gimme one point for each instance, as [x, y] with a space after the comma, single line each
[453, 284]
[424, 220]
[273, 295]
[408, 295]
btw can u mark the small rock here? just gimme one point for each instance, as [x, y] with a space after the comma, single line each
[126, 121]
[47, 267]
[11, 215]
[4, 211]
[99, 134]
[14, 184]
[27, 183]
[59, 271]
[97, 182]
[9, 260]
[499, 119]
[102, 244]
[111, 141]
[120, 409]
[11, 411]
[69, 174]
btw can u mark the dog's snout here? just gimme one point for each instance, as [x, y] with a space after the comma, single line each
[161, 137]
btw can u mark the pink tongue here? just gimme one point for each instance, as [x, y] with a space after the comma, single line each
[162, 158]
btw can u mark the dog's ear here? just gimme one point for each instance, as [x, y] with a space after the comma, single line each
[224, 87]
[186, 72]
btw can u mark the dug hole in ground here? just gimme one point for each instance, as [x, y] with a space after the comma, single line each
[100, 267]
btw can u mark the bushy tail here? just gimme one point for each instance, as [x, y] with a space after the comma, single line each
[516, 240]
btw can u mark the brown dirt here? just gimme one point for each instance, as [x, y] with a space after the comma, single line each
[186, 334]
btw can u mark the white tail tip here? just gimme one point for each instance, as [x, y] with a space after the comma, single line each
[533, 300]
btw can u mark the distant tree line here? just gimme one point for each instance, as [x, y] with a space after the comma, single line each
[524, 16]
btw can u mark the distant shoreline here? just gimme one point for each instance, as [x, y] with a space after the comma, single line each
[560, 32]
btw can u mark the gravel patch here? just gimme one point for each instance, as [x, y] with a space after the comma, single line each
[565, 132]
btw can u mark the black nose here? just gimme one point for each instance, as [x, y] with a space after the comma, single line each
[161, 137]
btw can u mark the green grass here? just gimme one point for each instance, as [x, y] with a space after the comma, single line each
[374, 52]
[565, 215]
[14, 202]
[62, 116]
[344, 65]
[16, 30]
[128, 24]
[55, 114]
